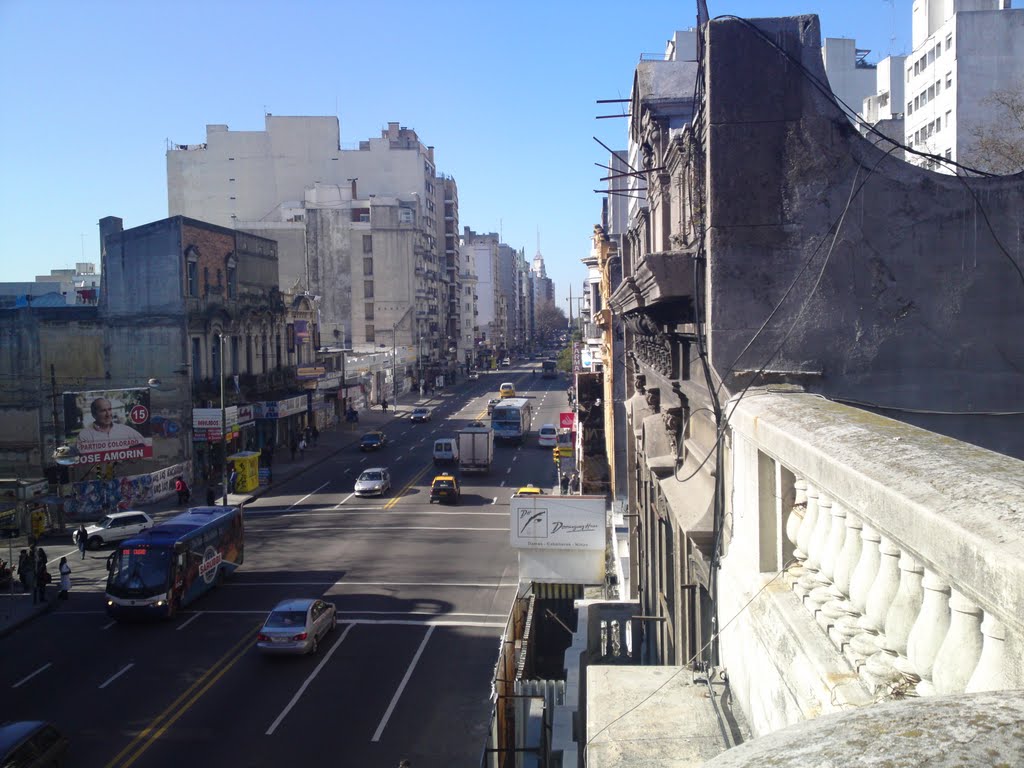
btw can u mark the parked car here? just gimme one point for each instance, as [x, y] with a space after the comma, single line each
[31, 743]
[116, 526]
[371, 441]
[445, 488]
[547, 436]
[420, 414]
[297, 626]
[373, 482]
[491, 403]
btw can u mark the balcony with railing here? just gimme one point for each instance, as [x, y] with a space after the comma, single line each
[865, 561]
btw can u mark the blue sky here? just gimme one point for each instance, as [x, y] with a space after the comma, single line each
[93, 91]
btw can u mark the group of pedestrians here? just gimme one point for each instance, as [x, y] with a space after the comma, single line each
[34, 575]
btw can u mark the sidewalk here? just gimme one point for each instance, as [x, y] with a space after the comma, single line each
[16, 609]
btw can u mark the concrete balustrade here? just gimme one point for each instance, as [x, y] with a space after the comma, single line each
[910, 554]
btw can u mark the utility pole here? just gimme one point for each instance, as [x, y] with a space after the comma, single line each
[223, 430]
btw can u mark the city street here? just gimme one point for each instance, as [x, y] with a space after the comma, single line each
[422, 593]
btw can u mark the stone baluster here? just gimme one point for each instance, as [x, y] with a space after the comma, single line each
[794, 522]
[991, 674]
[881, 668]
[816, 547]
[928, 632]
[960, 651]
[860, 585]
[880, 597]
[840, 607]
[803, 539]
[821, 591]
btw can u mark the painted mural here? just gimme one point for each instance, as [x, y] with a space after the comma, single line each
[94, 498]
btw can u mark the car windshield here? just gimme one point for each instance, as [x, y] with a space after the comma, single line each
[371, 438]
[420, 410]
[105, 522]
[286, 619]
[370, 476]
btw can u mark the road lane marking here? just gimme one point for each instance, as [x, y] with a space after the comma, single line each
[108, 626]
[401, 686]
[109, 680]
[189, 621]
[508, 471]
[495, 501]
[308, 495]
[156, 728]
[338, 505]
[24, 680]
[406, 487]
[308, 680]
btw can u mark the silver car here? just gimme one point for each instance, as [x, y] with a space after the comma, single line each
[375, 481]
[297, 626]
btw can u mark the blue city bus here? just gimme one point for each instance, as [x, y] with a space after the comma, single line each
[511, 419]
[168, 566]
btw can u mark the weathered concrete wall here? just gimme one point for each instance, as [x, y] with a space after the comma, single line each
[906, 287]
[334, 246]
[143, 271]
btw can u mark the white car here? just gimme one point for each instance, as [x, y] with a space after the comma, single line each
[547, 436]
[117, 526]
[375, 481]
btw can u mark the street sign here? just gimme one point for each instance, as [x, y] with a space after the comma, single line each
[567, 420]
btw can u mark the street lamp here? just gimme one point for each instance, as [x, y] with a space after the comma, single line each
[223, 429]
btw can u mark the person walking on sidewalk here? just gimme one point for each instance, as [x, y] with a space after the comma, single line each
[182, 489]
[42, 578]
[83, 539]
[293, 444]
[316, 435]
[24, 569]
[302, 447]
[232, 480]
[384, 405]
[65, 578]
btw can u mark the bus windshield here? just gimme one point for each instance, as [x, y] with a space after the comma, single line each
[139, 571]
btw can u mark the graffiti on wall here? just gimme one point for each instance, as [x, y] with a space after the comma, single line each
[92, 499]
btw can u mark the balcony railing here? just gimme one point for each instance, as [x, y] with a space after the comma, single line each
[901, 547]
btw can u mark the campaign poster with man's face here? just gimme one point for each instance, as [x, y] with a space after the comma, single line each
[108, 425]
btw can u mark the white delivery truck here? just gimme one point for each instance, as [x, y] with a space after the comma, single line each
[476, 447]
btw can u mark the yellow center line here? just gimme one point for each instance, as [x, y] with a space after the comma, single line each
[406, 487]
[156, 729]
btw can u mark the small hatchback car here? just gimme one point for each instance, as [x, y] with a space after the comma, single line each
[371, 441]
[297, 626]
[373, 482]
[444, 488]
[114, 527]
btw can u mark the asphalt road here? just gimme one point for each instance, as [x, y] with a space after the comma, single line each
[422, 592]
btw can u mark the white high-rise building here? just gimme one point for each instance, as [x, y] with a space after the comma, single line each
[964, 51]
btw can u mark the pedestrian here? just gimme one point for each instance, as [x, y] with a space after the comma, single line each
[31, 573]
[302, 447]
[23, 568]
[384, 405]
[293, 444]
[83, 539]
[182, 489]
[232, 480]
[42, 578]
[65, 578]
[564, 483]
[574, 482]
[211, 495]
[316, 435]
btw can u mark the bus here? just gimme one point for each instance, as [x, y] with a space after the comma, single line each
[173, 563]
[548, 369]
[511, 419]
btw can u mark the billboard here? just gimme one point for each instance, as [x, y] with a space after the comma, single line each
[557, 522]
[107, 425]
